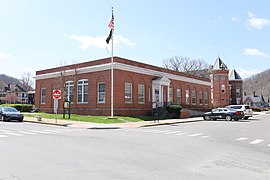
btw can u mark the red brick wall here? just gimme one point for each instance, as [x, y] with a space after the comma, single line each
[120, 77]
[236, 84]
[220, 99]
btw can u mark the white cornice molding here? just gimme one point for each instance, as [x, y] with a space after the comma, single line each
[124, 67]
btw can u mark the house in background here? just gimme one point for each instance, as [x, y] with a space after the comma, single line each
[256, 101]
[13, 93]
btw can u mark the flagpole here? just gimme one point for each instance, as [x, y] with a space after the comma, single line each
[112, 73]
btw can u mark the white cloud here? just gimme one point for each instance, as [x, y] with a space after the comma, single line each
[257, 23]
[244, 73]
[4, 55]
[255, 52]
[99, 42]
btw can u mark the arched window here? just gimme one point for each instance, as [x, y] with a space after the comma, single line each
[223, 88]
[82, 91]
[187, 96]
[69, 91]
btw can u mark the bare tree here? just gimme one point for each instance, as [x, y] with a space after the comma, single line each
[27, 81]
[187, 65]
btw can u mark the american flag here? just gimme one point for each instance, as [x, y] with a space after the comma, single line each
[111, 24]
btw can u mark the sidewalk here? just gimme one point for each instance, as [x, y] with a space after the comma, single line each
[89, 125]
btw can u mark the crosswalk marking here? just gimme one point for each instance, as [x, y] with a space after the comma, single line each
[241, 139]
[161, 131]
[205, 137]
[193, 135]
[179, 134]
[7, 133]
[1, 136]
[256, 141]
[172, 132]
[42, 132]
[53, 131]
[14, 134]
[24, 132]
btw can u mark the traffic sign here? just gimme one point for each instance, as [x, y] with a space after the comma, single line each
[56, 94]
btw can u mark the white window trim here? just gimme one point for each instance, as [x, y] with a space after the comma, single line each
[178, 90]
[201, 98]
[83, 84]
[41, 102]
[98, 93]
[142, 94]
[187, 97]
[68, 90]
[170, 95]
[193, 92]
[130, 93]
[206, 97]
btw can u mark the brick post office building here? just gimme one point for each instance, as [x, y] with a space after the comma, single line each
[136, 87]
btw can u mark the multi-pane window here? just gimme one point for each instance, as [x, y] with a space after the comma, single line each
[69, 89]
[200, 97]
[187, 96]
[238, 91]
[222, 77]
[178, 96]
[128, 92]
[140, 93]
[43, 96]
[223, 88]
[171, 95]
[193, 97]
[101, 92]
[206, 98]
[82, 91]
[149, 95]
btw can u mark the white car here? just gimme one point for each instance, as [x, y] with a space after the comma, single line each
[245, 108]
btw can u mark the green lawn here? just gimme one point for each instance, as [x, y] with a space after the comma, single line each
[95, 119]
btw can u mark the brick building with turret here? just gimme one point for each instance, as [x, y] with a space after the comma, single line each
[227, 85]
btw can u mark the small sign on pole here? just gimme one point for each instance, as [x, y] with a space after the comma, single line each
[56, 94]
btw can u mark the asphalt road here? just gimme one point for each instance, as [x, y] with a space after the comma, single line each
[193, 151]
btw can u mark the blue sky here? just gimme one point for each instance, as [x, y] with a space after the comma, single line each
[41, 34]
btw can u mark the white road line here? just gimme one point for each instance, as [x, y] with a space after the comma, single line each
[256, 141]
[24, 132]
[42, 132]
[205, 137]
[182, 133]
[2, 130]
[268, 144]
[2, 136]
[54, 131]
[193, 135]
[144, 130]
[161, 131]
[241, 139]
[14, 134]
[173, 132]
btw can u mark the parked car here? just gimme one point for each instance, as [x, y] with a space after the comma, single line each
[245, 108]
[224, 113]
[10, 113]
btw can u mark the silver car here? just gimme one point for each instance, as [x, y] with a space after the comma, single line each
[245, 108]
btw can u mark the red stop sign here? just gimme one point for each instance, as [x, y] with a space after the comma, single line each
[56, 94]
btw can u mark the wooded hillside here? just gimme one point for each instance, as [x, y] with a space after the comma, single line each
[260, 83]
